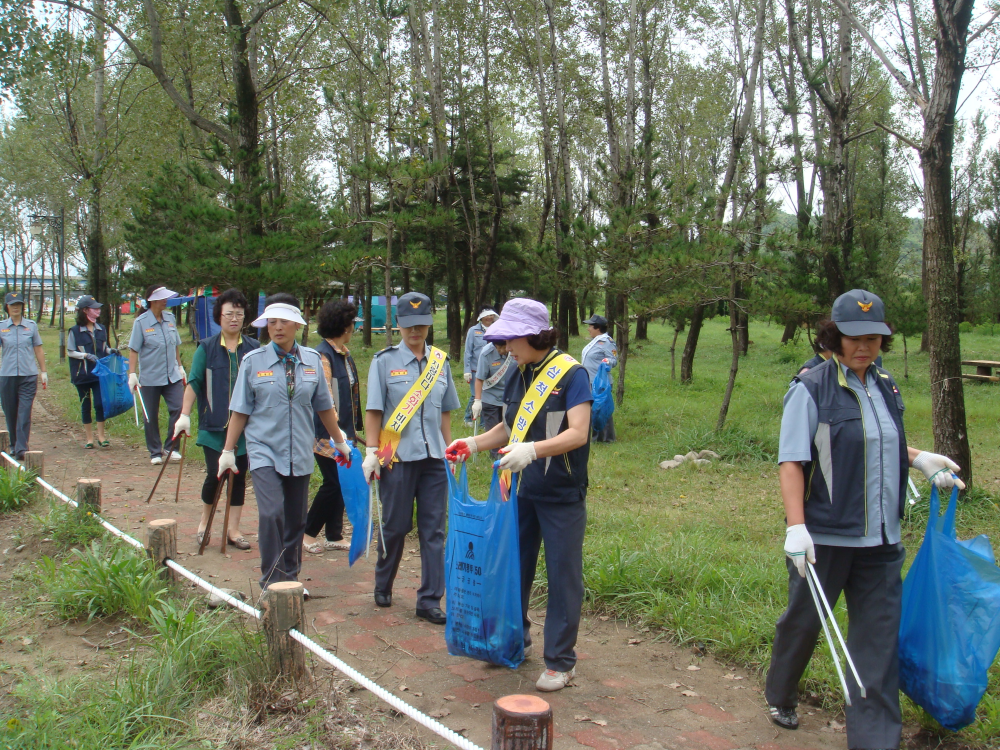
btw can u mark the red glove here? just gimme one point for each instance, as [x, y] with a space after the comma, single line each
[460, 450]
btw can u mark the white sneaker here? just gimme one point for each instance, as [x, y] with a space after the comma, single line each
[175, 456]
[527, 651]
[551, 680]
[305, 593]
[156, 460]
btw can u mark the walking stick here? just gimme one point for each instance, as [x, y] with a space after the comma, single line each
[166, 460]
[225, 520]
[180, 469]
[206, 535]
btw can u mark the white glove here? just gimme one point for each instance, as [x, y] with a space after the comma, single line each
[45, 380]
[938, 470]
[344, 448]
[371, 466]
[461, 449]
[468, 377]
[799, 547]
[477, 408]
[227, 462]
[184, 375]
[517, 456]
[133, 381]
[182, 426]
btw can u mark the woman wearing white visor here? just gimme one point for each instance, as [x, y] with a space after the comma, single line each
[155, 370]
[279, 388]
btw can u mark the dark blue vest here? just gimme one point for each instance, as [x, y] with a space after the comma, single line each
[343, 393]
[80, 370]
[839, 410]
[558, 479]
[213, 401]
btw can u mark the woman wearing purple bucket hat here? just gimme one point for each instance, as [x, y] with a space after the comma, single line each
[544, 438]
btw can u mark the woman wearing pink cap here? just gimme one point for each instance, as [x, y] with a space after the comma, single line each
[544, 438]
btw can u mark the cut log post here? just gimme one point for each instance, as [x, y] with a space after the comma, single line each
[88, 494]
[521, 722]
[161, 544]
[5, 442]
[35, 461]
[283, 608]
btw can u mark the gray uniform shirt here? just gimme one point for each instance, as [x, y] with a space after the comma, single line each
[798, 428]
[392, 373]
[474, 343]
[490, 360]
[156, 343]
[18, 344]
[279, 431]
[600, 347]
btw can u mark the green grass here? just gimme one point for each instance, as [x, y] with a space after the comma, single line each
[697, 552]
[16, 488]
[68, 526]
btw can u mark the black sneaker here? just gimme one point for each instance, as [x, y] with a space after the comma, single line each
[383, 600]
[784, 716]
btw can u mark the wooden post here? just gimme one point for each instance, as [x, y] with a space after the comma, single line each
[88, 494]
[5, 442]
[161, 543]
[283, 608]
[521, 722]
[35, 461]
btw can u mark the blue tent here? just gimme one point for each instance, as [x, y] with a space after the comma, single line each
[204, 324]
[378, 312]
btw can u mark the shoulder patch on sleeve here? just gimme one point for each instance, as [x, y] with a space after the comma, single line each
[380, 353]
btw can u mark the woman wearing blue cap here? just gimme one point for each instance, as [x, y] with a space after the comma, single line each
[601, 349]
[86, 343]
[21, 367]
[843, 467]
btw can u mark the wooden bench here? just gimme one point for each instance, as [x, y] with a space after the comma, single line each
[984, 370]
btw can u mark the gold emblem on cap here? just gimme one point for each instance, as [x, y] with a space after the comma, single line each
[866, 307]
[415, 304]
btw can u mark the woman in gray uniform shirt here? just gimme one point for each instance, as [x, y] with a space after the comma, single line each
[843, 466]
[154, 367]
[22, 361]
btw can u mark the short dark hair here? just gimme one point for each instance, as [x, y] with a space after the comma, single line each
[602, 327]
[335, 317]
[544, 340]
[283, 298]
[828, 337]
[235, 298]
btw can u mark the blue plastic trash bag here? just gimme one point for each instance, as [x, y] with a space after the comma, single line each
[949, 634]
[355, 491]
[483, 575]
[112, 376]
[604, 405]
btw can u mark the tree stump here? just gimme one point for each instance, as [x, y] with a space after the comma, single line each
[5, 442]
[521, 722]
[88, 494]
[161, 543]
[283, 608]
[35, 461]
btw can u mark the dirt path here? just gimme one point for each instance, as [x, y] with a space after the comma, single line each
[632, 690]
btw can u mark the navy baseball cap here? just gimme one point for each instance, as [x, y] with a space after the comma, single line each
[859, 313]
[414, 309]
[596, 320]
[87, 301]
[14, 298]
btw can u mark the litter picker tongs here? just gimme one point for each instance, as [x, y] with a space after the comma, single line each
[824, 611]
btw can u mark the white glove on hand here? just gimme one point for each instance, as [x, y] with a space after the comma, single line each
[371, 466]
[460, 450]
[468, 377]
[184, 375]
[133, 381]
[799, 547]
[45, 380]
[227, 462]
[344, 448]
[938, 470]
[477, 408]
[517, 456]
[182, 426]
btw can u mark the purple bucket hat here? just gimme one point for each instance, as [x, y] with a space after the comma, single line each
[520, 317]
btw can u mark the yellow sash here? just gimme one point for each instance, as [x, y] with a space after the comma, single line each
[550, 372]
[392, 432]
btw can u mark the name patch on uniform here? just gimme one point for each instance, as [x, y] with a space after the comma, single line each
[309, 371]
[496, 364]
[394, 373]
[149, 330]
[5, 330]
[479, 333]
[265, 373]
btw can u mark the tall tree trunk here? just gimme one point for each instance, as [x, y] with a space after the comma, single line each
[691, 344]
[97, 255]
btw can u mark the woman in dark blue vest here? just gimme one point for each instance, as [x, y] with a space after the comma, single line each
[86, 343]
[214, 368]
[335, 324]
[843, 466]
[551, 462]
